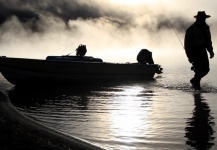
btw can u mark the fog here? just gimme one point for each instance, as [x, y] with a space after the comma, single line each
[113, 31]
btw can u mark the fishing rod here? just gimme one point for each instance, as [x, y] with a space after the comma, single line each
[174, 31]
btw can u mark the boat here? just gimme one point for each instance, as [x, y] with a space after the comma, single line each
[68, 69]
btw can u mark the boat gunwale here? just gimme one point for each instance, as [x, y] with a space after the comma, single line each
[84, 62]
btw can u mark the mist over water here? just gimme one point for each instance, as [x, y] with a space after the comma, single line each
[112, 31]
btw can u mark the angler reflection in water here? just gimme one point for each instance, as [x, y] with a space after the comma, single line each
[199, 131]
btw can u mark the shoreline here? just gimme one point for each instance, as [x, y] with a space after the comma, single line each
[21, 132]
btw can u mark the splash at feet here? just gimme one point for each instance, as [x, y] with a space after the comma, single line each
[186, 87]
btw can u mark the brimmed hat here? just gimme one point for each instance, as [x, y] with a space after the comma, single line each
[201, 14]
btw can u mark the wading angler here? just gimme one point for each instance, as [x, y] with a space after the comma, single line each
[197, 43]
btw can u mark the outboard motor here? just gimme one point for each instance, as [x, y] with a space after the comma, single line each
[145, 57]
[81, 50]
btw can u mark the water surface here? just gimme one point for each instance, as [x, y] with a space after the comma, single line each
[164, 113]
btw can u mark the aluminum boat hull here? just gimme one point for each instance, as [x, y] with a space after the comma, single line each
[20, 71]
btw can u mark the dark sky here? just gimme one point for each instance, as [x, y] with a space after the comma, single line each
[34, 10]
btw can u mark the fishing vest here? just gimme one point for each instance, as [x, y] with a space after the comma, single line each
[198, 37]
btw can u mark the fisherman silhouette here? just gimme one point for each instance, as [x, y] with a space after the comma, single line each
[197, 43]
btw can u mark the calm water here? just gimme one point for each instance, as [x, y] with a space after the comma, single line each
[165, 113]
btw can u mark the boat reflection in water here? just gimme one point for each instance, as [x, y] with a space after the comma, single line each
[199, 130]
[112, 115]
[29, 97]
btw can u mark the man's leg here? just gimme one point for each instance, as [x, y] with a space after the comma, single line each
[201, 68]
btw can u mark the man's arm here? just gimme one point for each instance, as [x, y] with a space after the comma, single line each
[209, 43]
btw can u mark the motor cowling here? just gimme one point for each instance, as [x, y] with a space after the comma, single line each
[145, 57]
[81, 50]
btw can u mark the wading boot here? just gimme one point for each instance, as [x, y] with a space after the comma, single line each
[195, 84]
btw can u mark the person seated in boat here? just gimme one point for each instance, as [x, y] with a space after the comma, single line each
[81, 50]
[145, 57]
